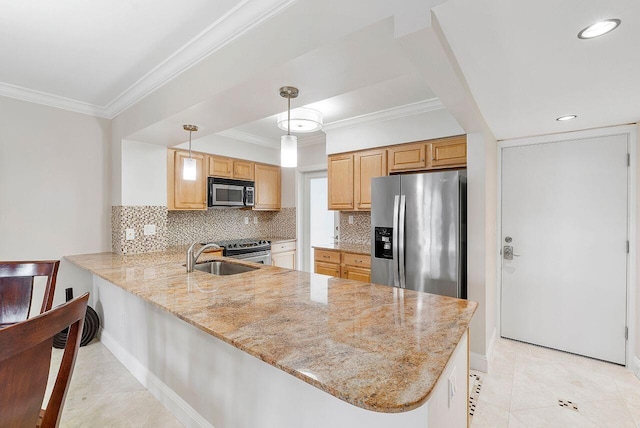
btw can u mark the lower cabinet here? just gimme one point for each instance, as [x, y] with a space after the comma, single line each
[343, 265]
[283, 254]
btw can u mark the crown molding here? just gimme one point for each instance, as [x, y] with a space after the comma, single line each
[249, 138]
[37, 97]
[388, 114]
[240, 20]
[244, 17]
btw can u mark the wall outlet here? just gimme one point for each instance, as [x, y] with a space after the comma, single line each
[255, 219]
[149, 229]
[452, 385]
[350, 219]
[130, 234]
[246, 220]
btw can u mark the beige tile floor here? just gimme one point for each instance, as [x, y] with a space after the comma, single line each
[525, 383]
[104, 394]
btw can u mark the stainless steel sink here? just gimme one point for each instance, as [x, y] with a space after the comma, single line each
[222, 268]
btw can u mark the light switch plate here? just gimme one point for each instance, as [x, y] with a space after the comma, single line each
[246, 220]
[350, 219]
[130, 234]
[149, 229]
[255, 219]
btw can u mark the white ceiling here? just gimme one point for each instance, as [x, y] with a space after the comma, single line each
[97, 57]
[525, 65]
[521, 60]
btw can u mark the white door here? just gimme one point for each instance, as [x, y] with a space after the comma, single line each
[319, 223]
[564, 213]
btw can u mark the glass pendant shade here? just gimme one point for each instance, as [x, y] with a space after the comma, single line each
[289, 151]
[189, 169]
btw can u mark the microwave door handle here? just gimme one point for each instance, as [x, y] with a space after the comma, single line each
[394, 244]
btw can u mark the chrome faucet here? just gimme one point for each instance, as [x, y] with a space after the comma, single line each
[192, 258]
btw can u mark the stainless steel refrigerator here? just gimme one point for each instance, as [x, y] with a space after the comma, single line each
[418, 232]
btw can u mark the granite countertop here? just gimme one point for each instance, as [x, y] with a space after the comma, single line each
[377, 347]
[346, 247]
[280, 239]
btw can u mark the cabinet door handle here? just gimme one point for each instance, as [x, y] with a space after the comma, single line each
[326, 257]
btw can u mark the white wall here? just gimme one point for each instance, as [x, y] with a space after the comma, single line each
[144, 174]
[424, 126]
[223, 146]
[481, 238]
[54, 187]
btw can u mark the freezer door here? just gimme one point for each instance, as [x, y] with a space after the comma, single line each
[384, 192]
[432, 232]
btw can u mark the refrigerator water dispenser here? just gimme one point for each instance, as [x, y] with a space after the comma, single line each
[383, 243]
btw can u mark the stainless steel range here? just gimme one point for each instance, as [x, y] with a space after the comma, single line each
[251, 250]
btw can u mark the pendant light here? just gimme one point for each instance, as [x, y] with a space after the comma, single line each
[189, 171]
[289, 143]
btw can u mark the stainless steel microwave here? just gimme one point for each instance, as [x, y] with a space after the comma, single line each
[224, 192]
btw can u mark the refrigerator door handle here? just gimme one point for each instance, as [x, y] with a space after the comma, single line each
[394, 245]
[401, 221]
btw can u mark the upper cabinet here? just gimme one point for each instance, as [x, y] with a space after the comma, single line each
[350, 174]
[220, 167]
[267, 192]
[368, 164]
[186, 194]
[340, 181]
[231, 168]
[407, 157]
[243, 170]
[449, 152]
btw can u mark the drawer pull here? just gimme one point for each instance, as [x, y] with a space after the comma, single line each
[326, 257]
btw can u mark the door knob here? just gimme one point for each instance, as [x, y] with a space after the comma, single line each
[508, 254]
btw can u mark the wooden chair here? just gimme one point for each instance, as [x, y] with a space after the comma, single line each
[16, 288]
[25, 357]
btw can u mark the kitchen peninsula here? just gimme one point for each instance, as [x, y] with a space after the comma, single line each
[383, 356]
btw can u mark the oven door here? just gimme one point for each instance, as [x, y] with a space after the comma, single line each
[263, 257]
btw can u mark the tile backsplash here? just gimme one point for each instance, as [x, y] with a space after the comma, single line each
[136, 217]
[360, 231]
[185, 227]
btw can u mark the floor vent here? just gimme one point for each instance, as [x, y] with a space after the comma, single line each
[475, 384]
[568, 404]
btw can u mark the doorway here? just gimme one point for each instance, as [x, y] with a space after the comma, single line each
[319, 224]
[564, 241]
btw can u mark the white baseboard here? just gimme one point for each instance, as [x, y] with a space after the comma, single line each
[479, 362]
[172, 401]
[636, 366]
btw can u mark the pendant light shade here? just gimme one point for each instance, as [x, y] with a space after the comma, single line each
[189, 170]
[288, 143]
[302, 120]
[289, 151]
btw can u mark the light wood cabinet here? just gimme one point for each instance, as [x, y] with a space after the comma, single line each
[368, 164]
[283, 254]
[243, 170]
[448, 152]
[267, 187]
[340, 181]
[407, 157]
[220, 167]
[343, 265]
[356, 267]
[186, 194]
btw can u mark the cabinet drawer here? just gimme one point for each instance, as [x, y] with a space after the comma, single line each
[331, 269]
[327, 256]
[282, 246]
[356, 274]
[358, 260]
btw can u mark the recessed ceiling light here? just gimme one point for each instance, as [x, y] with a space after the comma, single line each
[567, 117]
[599, 28]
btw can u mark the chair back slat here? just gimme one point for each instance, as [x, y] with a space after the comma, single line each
[15, 299]
[25, 357]
[16, 288]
